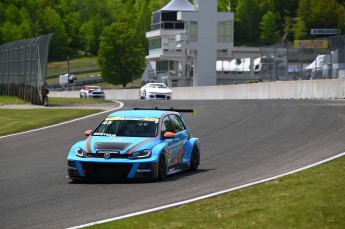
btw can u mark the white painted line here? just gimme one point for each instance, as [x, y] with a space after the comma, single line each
[63, 123]
[209, 195]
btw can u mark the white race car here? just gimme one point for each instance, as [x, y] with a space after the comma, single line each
[94, 92]
[155, 91]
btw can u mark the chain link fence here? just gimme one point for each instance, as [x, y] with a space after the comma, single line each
[23, 69]
[322, 58]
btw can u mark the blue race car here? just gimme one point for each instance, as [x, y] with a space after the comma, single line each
[135, 144]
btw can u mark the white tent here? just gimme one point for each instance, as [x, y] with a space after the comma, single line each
[238, 65]
[178, 5]
[317, 63]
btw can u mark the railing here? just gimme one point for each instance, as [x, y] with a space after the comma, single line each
[173, 25]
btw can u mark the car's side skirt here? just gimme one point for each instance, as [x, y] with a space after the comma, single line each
[177, 168]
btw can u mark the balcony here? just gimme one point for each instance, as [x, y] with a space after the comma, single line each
[167, 25]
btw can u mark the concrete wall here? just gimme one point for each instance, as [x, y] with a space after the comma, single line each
[302, 89]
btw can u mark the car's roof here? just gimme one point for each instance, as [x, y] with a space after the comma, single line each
[139, 113]
[156, 84]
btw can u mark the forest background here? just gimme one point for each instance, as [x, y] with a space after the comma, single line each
[80, 26]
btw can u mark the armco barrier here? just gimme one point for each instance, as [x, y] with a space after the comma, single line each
[302, 89]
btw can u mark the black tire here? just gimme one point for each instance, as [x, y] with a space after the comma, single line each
[162, 167]
[194, 159]
[144, 95]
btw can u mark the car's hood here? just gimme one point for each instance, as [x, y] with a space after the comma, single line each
[122, 145]
[160, 90]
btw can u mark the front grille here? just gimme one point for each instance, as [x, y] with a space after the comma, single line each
[112, 155]
[106, 171]
[160, 96]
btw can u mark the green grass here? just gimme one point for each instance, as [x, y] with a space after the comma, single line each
[18, 120]
[314, 198]
[67, 101]
[11, 100]
[54, 100]
[77, 64]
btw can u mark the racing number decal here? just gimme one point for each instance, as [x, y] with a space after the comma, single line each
[169, 155]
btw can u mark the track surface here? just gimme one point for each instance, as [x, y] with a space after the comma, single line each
[242, 141]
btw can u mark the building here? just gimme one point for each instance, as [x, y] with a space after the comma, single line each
[187, 41]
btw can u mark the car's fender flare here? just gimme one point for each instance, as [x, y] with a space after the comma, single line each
[190, 145]
[157, 149]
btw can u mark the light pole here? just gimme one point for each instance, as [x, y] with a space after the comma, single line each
[68, 73]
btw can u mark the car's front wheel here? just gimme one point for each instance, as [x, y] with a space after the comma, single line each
[162, 166]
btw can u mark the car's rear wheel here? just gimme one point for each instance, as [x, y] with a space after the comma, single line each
[162, 167]
[195, 158]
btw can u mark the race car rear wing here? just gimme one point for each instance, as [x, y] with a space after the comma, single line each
[194, 111]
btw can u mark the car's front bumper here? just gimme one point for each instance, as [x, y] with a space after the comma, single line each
[96, 96]
[159, 96]
[111, 170]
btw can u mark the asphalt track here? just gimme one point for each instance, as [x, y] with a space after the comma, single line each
[242, 141]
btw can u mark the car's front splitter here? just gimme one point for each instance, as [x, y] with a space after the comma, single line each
[112, 171]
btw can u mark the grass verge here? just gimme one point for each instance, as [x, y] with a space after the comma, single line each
[84, 63]
[18, 120]
[313, 198]
[11, 100]
[75, 64]
[69, 101]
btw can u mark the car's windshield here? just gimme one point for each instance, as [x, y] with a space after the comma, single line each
[127, 127]
[93, 88]
[157, 86]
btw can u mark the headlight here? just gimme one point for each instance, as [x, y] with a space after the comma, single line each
[80, 152]
[140, 154]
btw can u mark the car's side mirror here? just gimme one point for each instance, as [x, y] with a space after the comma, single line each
[88, 132]
[169, 135]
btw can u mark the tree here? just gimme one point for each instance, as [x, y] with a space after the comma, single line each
[325, 14]
[70, 14]
[10, 32]
[13, 15]
[247, 19]
[317, 14]
[268, 25]
[121, 55]
[50, 22]
[90, 34]
[143, 20]
[224, 4]
[300, 29]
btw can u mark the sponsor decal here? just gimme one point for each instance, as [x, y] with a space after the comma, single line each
[110, 152]
[143, 170]
[311, 44]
